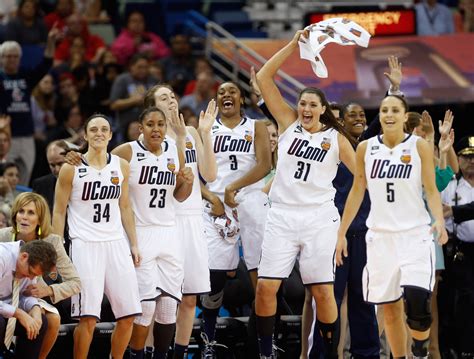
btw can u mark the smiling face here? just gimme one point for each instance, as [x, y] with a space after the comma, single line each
[354, 119]
[11, 60]
[27, 221]
[229, 99]
[98, 133]
[165, 100]
[310, 109]
[392, 114]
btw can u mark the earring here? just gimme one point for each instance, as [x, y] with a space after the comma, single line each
[39, 231]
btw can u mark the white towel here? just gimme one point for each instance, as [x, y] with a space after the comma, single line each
[338, 30]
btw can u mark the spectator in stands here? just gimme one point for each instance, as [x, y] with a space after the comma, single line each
[64, 8]
[460, 192]
[28, 27]
[201, 65]
[202, 94]
[179, 66]
[77, 57]
[128, 90]
[71, 129]
[433, 18]
[135, 39]
[5, 144]
[93, 10]
[190, 119]
[46, 185]
[7, 11]
[31, 221]
[466, 7]
[4, 222]
[15, 94]
[11, 177]
[157, 71]
[68, 96]
[43, 100]
[104, 81]
[77, 27]
[133, 131]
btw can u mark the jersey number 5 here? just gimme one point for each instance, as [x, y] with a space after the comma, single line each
[157, 198]
[390, 192]
[101, 214]
[303, 170]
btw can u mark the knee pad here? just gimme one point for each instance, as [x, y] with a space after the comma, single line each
[418, 309]
[212, 301]
[148, 310]
[166, 308]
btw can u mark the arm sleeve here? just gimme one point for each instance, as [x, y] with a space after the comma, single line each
[464, 212]
[443, 177]
[263, 107]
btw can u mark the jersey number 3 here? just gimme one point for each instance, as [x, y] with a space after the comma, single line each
[157, 198]
[303, 170]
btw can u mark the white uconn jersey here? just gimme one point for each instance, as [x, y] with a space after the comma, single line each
[152, 183]
[193, 204]
[93, 212]
[307, 165]
[395, 186]
[235, 154]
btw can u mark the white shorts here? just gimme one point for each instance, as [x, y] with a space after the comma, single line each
[310, 232]
[161, 270]
[252, 210]
[196, 258]
[397, 260]
[104, 267]
[223, 255]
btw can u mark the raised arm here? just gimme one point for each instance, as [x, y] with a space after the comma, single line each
[262, 166]
[206, 158]
[283, 113]
[354, 200]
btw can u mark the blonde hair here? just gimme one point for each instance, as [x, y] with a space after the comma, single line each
[268, 123]
[42, 210]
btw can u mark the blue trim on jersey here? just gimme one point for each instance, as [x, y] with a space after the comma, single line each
[242, 121]
[379, 137]
[109, 159]
[141, 145]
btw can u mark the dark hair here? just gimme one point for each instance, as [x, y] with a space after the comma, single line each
[327, 118]
[413, 121]
[345, 107]
[7, 165]
[338, 107]
[401, 99]
[40, 253]
[147, 111]
[83, 148]
[149, 98]
[37, 7]
[242, 94]
[137, 57]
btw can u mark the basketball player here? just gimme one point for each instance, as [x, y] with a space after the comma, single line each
[199, 156]
[303, 219]
[397, 168]
[95, 195]
[242, 150]
[157, 178]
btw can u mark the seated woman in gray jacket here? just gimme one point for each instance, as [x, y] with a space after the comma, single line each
[31, 220]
